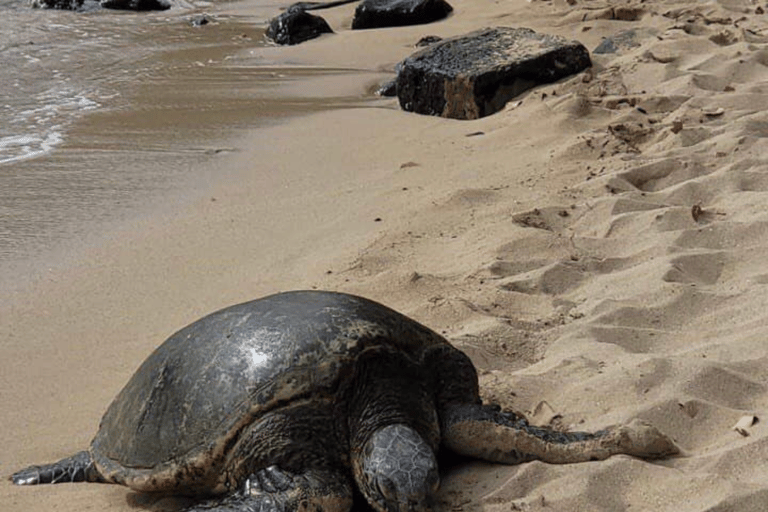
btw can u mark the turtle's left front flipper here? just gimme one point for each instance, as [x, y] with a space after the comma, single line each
[485, 432]
[77, 468]
[274, 490]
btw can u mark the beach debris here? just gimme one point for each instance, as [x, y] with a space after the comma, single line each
[475, 75]
[744, 423]
[295, 26]
[713, 112]
[696, 212]
[217, 151]
[398, 13]
[700, 214]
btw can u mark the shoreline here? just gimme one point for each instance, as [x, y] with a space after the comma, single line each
[118, 165]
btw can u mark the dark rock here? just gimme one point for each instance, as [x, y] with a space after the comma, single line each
[626, 39]
[606, 46]
[137, 5]
[201, 20]
[428, 40]
[474, 75]
[388, 89]
[398, 13]
[295, 26]
[128, 5]
[69, 5]
[316, 6]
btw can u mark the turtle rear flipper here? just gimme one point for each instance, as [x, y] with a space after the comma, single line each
[486, 432]
[274, 490]
[77, 468]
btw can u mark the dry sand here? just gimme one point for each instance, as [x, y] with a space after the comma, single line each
[598, 246]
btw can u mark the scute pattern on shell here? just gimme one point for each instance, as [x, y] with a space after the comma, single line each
[172, 424]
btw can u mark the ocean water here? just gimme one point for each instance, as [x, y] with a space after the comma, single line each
[106, 114]
[59, 65]
[92, 125]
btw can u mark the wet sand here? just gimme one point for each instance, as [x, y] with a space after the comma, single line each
[598, 247]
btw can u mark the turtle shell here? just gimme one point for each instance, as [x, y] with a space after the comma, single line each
[173, 423]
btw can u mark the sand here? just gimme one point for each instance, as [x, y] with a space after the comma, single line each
[597, 247]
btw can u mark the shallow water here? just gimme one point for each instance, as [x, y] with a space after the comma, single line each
[59, 65]
[107, 114]
[83, 133]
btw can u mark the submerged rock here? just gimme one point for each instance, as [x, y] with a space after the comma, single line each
[397, 13]
[137, 5]
[69, 5]
[315, 6]
[128, 5]
[201, 20]
[295, 26]
[475, 75]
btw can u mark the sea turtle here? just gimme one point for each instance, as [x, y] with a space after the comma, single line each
[289, 402]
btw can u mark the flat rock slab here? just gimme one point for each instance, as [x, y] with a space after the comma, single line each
[475, 75]
[398, 13]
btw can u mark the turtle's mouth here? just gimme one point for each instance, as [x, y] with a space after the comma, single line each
[389, 497]
[415, 502]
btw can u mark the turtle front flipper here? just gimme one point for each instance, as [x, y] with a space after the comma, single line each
[77, 468]
[274, 490]
[486, 432]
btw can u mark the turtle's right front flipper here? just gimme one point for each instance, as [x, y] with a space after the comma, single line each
[486, 432]
[274, 490]
[77, 468]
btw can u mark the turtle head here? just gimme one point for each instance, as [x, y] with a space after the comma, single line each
[397, 470]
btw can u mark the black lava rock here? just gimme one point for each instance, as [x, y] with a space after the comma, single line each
[136, 5]
[398, 13]
[475, 75]
[295, 26]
